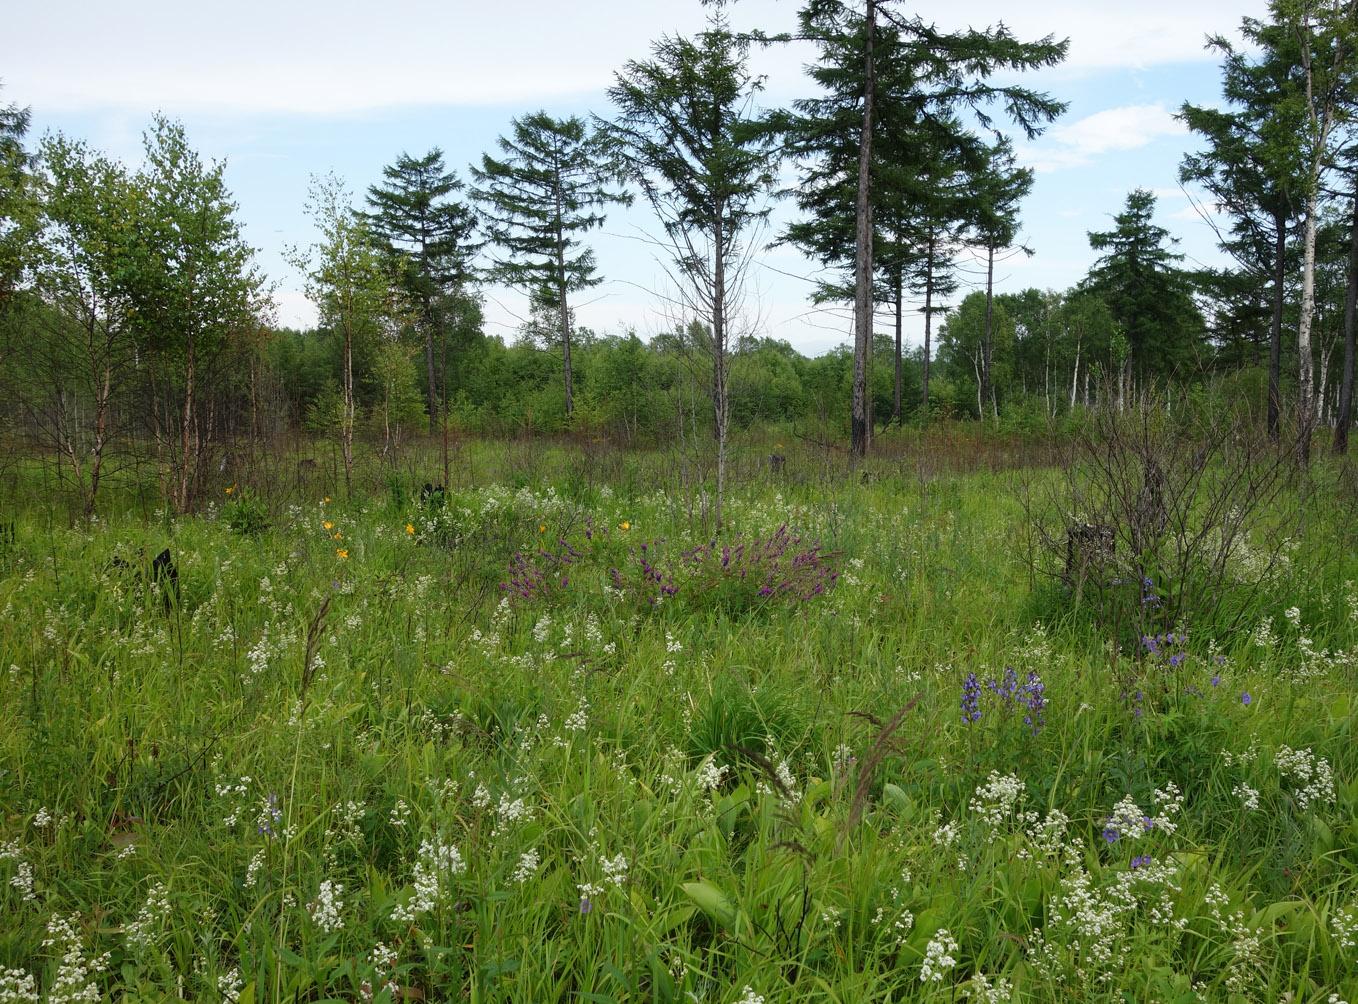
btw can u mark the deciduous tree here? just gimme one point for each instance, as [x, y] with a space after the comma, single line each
[693, 144]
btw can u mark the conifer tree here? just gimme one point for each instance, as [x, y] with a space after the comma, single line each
[550, 188]
[414, 214]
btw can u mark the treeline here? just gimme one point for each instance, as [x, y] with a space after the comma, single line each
[134, 327]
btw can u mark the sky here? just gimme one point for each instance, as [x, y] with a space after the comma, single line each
[283, 91]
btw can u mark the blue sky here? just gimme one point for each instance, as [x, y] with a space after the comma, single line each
[286, 90]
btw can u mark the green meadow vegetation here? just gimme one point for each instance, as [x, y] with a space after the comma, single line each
[541, 736]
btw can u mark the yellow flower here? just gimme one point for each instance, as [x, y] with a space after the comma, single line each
[542, 528]
[328, 525]
[339, 536]
[231, 489]
[327, 498]
[626, 525]
[341, 552]
[410, 528]
[777, 446]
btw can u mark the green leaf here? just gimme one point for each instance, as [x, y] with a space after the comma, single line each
[713, 902]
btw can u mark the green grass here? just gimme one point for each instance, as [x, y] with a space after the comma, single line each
[672, 801]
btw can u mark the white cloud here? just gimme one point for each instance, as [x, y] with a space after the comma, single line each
[1114, 129]
[288, 56]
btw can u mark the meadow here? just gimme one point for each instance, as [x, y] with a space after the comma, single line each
[541, 737]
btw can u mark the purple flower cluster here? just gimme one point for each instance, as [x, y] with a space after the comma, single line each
[1142, 861]
[1010, 694]
[971, 699]
[736, 576]
[1162, 647]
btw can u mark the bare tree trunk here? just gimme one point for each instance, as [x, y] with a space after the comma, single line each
[986, 390]
[719, 385]
[1275, 331]
[928, 326]
[1306, 374]
[561, 292]
[347, 418]
[443, 404]
[896, 397]
[186, 433]
[863, 259]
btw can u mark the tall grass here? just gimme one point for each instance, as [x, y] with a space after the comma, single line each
[349, 765]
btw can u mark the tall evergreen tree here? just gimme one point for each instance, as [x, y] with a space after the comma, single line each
[1252, 168]
[1148, 294]
[996, 193]
[18, 209]
[948, 72]
[707, 168]
[548, 190]
[431, 234]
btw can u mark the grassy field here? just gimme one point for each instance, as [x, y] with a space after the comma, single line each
[547, 741]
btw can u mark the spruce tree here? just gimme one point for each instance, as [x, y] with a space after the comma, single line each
[555, 177]
[431, 235]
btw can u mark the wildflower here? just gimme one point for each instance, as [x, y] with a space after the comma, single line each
[585, 905]
[326, 499]
[750, 997]
[971, 699]
[341, 552]
[1216, 679]
[410, 528]
[338, 536]
[937, 957]
[626, 525]
[328, 525]
[231, 489]
[1245, 698]
[1111, 834]
[527, 866]
[542, 528]
[325, 908]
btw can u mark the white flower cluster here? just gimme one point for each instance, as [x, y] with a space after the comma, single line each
[945, 835]
[748, 996]
[1311, 776]
[230, 984]
[527, 866]
[325, 908]
[996, 799]
[787, 783]
[1344, 923]
[981, 989]
[511, 812]
[1046, 837]
[438, 863]
[1249, 797]
[1094, 921]
[22, 879]
[614, 869]
[938, 957]
[709, 775]
[141, 932]
[76, 972]
[17, 987]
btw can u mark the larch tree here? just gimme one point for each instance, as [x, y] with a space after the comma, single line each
[1252, 168]
[549, 188]
[949, 71]
[1325, 33]
[687, 129]
[996, 192]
